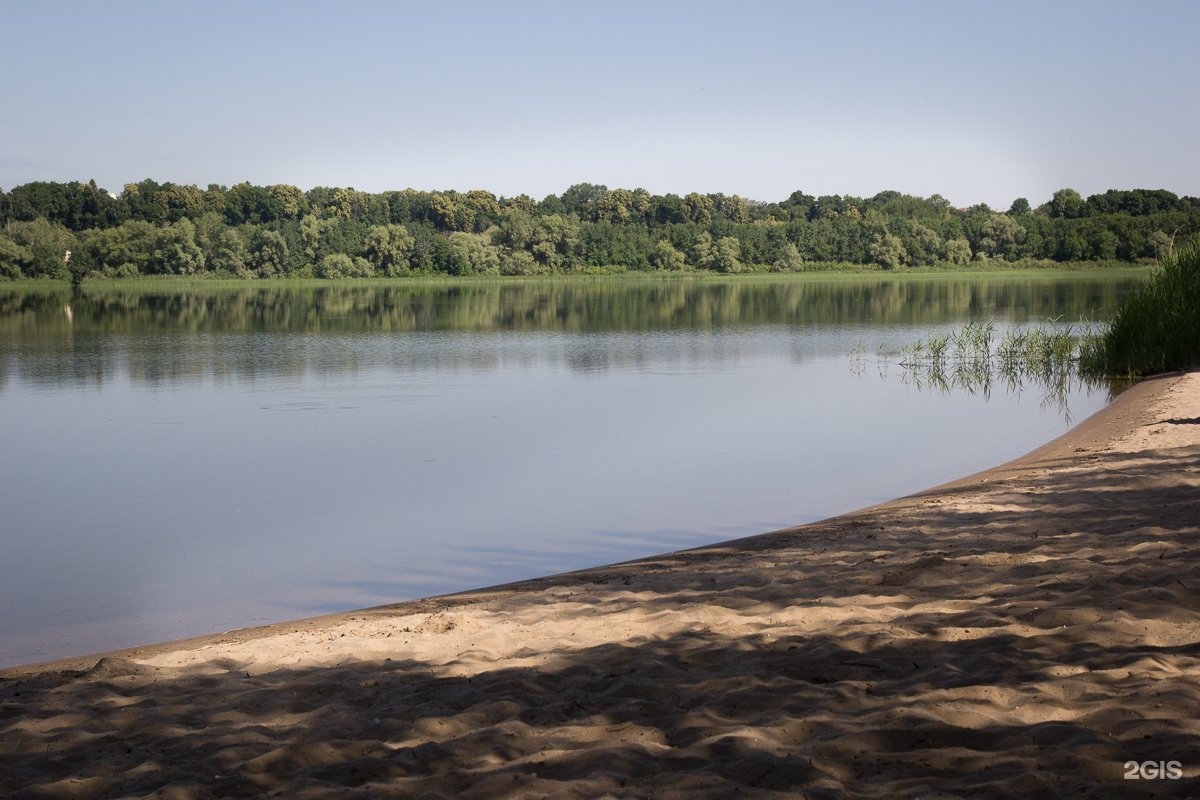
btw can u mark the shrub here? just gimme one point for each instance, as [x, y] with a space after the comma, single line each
[1157, 329]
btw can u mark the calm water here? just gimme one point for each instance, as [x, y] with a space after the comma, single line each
[179, 462]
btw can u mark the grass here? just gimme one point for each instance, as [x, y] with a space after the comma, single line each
[812, 270]
[1157, 329]
[1051, 357]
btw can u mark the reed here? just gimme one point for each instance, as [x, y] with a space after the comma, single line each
[1050, 357]
[1157, 329]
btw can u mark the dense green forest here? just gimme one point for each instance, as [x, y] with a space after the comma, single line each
[153, 228]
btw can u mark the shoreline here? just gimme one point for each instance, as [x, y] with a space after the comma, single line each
[1090, 433]
[928, 642]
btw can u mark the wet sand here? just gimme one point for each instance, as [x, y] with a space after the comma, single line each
[1024, 632]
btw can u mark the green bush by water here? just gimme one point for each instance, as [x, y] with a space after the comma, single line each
[1157, 329]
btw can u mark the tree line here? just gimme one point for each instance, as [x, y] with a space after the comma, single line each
[153, 228]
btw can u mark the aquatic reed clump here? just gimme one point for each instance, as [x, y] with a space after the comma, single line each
[1051, 357]
[1157, 329]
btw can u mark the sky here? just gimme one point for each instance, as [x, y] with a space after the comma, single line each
[980, 102]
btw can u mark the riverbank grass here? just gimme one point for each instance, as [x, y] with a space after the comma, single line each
[1157, 329]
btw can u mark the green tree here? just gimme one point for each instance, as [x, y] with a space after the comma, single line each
[451, 213]
[77, 206]
[580, 198]
[341, 265]
[473, 256]
[389, 249]
[923, 244]
[1067, 204]
[556, 242]
[286, 202]
[616, 207]
[698, 208]
[887, 250]
[175, 250]
[1162, 243]
[958, 250]
[731, 207]
[268, 253]
[223, 247]
[520, 262]
[484, 207]
[667, 257]
[727, 255]
[125, 250]
[789, 260]
[1000, 236]
[1019, 208]
[245, 203]
[350, 204]
[179, 201]
[13, 258]
[720, 255]
[39, 248]
[312, 237]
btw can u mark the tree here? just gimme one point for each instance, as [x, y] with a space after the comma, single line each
[223, 247]
[145, 201]
[520, 262]
[789, 260]
[1019, 208]
[1162, 243]
[77, 206]
[720, 255]
[999, 236]
[615, 207]
[887, 250]
[485, 208]
[470, 255]
[698, 208]
[286, 202]
[1067, 204]
[175, 250]
[731, 207]
[350, 204]
[312, 235]
[179, 201]
[1102, 243]
[341, 265]
[958, 250]
[39, 248]
[923, 244]
[389, 248]
[13, 257]
[667, 209]
[268, 252]
[579, 199]
[727, 255]
[125, 250]
[450, 213]
[245, 203]
[555, 242]
[667, 257]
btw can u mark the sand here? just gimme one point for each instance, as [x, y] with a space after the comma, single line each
[1024, 632]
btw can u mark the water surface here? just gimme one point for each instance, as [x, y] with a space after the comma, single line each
[179, 461]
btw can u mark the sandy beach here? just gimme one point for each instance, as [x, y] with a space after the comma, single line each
[1025, 632]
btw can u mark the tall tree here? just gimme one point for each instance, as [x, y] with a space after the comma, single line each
[389, 249]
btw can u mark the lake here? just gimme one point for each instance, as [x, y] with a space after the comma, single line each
[181, 460]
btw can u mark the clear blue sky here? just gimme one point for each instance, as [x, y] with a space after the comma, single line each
[977, 101]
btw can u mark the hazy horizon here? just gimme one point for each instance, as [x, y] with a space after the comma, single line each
[980, 104]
